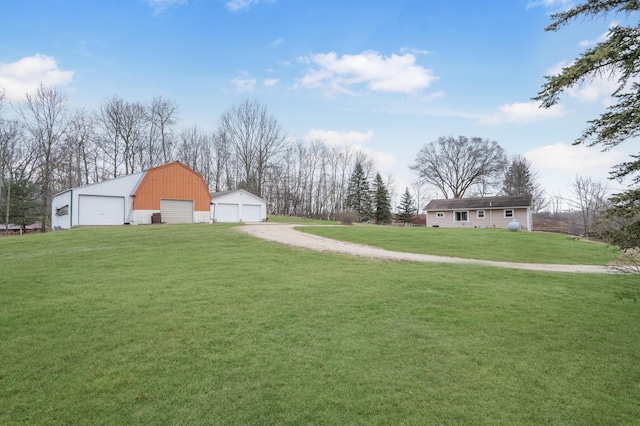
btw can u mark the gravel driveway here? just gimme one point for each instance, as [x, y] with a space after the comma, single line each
[286, 234]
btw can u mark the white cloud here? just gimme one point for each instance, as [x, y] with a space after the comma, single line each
[557, 68]
[522, 113]
[160, 6]
[335, 138]
[433, 96]
[600, 89]
[18, 78]
[551, 3]
[270, 82]
[603, 37]
[277, 42]
[244, 84]
[384, 162]
[414, 51]
[396, 73]
[237, 5]
[573, 158]
[560, 163]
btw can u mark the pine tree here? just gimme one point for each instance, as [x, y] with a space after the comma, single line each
[24, 202]
[617, 56]
[359, 194]
[521, 180]
[406, 209]
[382, 212]
[518, 179]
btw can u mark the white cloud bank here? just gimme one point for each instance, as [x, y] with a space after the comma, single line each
[348, 73]
[560, 163]
[523, 113]
[25, 75]
[574, 158]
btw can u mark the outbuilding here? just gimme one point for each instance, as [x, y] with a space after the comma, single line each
[237, 206]
[171, 193]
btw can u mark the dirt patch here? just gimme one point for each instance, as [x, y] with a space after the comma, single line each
[286, 234]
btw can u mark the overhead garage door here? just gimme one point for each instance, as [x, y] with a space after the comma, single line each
[251, 213]
[227, 212]
[100, 210]
[176, 211]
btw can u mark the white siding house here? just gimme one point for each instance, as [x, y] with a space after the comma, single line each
[237, 206]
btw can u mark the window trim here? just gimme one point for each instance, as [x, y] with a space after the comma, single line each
[460, 212]
[62, 211]
[511, 216]
[439, 215]
[484, 214]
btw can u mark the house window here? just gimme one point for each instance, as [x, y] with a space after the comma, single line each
[480, 214]
[508, 213]
[62, 210]
[461, 216]
[440, 215]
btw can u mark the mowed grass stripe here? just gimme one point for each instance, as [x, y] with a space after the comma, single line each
[202, 324]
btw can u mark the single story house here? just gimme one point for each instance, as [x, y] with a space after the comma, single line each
[237, 206]
[171, 193]
[481, 212]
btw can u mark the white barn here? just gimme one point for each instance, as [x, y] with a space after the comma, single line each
[237, 206]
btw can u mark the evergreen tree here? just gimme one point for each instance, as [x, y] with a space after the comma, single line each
[406, 209]
[24, 201]
[359, 194]
[616, 56]
[382, 212]
[519, 179]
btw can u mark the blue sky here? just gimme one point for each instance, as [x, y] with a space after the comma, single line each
[386, 77]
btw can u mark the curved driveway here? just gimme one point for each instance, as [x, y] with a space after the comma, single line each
[286, 234]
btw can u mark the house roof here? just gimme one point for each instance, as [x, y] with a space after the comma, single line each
[479, 203]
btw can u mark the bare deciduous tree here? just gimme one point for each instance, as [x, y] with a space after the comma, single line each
[78, 151]
[456, 165]
[256, 137]
[590, 201]
[163, 115]
[44, 117]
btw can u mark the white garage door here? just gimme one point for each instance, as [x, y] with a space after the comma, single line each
[227, 212]
[100, 210]
[176, 211]
[251, 213]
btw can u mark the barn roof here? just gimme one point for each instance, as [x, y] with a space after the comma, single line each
[480, 203]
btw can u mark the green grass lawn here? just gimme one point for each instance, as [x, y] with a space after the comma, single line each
[206, 325]
[485, 244]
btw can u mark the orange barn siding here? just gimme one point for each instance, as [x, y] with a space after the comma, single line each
[173, 181]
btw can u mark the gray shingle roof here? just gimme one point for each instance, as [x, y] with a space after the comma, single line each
[479, 203]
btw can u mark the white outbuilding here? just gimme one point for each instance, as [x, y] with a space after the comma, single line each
[172, 193]
[237, 206]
